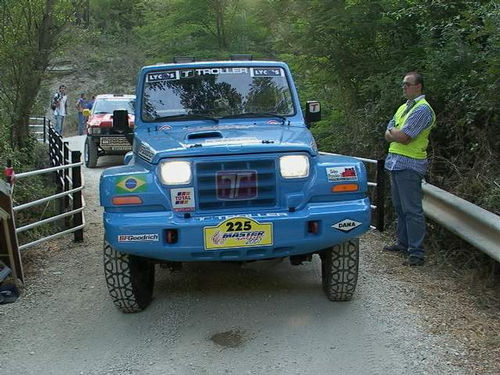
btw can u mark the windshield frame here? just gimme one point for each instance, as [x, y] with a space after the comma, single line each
[294, 102]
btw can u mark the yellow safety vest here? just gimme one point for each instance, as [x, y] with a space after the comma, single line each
[417, 148]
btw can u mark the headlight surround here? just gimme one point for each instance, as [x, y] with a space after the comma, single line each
[175, 172]
[294, 166]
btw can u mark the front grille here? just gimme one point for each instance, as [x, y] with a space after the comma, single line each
[236, 193]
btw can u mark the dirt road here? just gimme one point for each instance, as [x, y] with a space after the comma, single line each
[262, 318]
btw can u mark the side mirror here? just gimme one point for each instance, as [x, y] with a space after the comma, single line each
[128, 156]
[120, 124]
[313, 112]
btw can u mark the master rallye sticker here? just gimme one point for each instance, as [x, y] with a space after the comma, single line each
[238, 232]
[346, 173]
[346, 225]
[138, 237]
[131, 184]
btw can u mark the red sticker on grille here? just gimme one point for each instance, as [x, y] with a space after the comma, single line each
[236, 185]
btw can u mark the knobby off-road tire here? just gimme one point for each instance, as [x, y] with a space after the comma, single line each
[130, 280]
[339, 270]
[90, 153]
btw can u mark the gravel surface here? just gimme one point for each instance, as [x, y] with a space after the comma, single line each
[261, 318]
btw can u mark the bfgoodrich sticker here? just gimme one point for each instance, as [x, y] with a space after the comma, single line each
[346, 225]
[138, 237]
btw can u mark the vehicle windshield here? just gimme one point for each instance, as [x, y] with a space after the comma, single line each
[110, 105]
[216, 92]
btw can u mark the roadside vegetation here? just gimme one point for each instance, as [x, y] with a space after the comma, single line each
[351, 55]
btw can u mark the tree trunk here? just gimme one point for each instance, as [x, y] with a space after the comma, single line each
[31, 71]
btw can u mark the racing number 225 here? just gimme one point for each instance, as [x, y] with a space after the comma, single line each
[237, 226]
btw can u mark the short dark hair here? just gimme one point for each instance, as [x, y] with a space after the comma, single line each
[61, 86]
[419, 79]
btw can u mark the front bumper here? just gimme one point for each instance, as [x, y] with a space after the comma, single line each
[145, 233]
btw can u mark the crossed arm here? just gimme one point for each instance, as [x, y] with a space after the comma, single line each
[396, 135]
[420, 119]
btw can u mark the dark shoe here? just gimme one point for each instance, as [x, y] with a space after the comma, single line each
[8, 293]
[413, 261]
[396, 248]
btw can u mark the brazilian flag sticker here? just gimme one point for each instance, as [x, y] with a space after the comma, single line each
[131, 184]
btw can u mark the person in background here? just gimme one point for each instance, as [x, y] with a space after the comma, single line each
[59, 105]
[408, 134]
[81, 104]
[90, 103]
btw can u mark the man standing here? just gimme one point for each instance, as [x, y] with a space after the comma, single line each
[408, 134]
[81, 104]
[90, 103]
[59, 106]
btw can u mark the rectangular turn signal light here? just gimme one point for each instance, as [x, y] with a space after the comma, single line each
[131, 199]
[342, 188]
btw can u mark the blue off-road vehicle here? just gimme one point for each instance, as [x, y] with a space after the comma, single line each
[224, 168]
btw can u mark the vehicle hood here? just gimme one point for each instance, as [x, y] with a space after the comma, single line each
[106, 119]
[165, 141]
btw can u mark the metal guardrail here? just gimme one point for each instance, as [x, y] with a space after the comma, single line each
[379, 185]
[477, 226]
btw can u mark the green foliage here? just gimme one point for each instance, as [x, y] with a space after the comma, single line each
[117, 17]
[28, 34]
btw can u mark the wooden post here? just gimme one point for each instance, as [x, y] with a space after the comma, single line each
[9, 247]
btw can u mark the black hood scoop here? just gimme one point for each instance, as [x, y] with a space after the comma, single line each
[204, 135]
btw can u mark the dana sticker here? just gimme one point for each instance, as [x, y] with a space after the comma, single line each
[346, 225]
[182, 199]
[347, 173]
[266, 72]
[131, 184]
[238, 232]
[165, 127]
[138, 237]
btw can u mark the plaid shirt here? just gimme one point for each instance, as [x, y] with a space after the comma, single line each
[419, 119]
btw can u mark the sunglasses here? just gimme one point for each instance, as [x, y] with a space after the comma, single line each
[408, 84]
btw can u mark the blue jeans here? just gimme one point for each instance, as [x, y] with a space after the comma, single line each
[406, 189]
[59, 123]
[81, 123]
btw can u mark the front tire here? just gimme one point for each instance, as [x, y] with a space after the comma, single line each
[130, 279]
[339, 270]
[90, 153]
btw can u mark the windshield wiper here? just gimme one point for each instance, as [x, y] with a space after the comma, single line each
[186, 116]
[256, 114]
